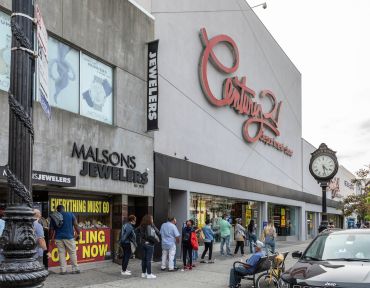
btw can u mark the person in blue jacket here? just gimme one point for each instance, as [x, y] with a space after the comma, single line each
[128, 236]
[208, 241]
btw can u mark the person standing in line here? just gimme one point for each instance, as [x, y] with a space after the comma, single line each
[239, 237]
[187, 249]
[40, 236]
[65, 239]
[225, 228]
[127, 237]
[170, 236]
[269, 237]
[252, 234]
[208, 242]
[149, 235]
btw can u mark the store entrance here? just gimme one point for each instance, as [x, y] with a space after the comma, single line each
[138, 206]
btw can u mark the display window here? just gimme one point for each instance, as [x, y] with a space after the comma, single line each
[203, 207]
[284, 218]
[94, 219]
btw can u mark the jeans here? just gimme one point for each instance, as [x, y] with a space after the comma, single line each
[187, 251]
[236, 275]
[126, 247]
[70, 246]
[252, 239]
[270, 245]
[170, 253]
[225, 239]
[146, 265]
[241, 245]
[207, 246]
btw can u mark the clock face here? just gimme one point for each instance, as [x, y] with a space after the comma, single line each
[323, 166]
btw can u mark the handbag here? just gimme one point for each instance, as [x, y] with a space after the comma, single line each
[133, 247]
[151, 236]
[194, 241]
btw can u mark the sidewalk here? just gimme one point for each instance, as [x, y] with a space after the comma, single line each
[203, 275]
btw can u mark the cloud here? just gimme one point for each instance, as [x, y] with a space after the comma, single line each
[365, 125]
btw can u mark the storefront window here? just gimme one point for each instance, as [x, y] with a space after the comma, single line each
[203, 207]
[310, 222]
[285, 219]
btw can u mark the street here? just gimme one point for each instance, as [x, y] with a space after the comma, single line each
[203, 275]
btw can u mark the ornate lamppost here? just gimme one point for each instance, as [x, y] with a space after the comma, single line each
[20, 268]
[323, 167]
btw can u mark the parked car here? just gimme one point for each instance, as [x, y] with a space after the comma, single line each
[335, 258]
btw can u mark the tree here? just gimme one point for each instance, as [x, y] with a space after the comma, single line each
[358, 204]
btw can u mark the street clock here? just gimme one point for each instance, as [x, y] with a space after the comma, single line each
[324, 164]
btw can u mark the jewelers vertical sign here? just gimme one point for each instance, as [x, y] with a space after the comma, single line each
[152, 106]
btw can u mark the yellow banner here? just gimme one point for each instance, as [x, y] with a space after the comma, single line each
[81, 205]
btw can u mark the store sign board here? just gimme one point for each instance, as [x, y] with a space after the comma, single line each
[152, 89]
[104, 164]
[93, 246]
[240, 97]
[80, 206]
[47, 178]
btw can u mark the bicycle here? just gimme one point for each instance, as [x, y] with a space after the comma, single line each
[270, 278]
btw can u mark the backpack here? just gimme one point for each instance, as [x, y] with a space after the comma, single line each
[57, 217]
[185, 236]
[194, 241]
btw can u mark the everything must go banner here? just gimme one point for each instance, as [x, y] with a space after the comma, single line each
[93, 246]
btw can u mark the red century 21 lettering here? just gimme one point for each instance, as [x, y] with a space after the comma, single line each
[238, 95]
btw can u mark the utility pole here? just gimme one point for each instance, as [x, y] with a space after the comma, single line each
[20, 268]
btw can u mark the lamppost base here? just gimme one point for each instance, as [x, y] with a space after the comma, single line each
[323, 226]
[22, 274]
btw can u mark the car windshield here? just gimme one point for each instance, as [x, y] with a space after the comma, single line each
[345, 247]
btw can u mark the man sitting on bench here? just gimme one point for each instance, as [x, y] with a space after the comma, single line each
[248, 268]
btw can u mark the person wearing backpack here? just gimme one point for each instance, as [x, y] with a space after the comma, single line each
[64, 229]
[187, 248]
[149, 235]
[127, 238]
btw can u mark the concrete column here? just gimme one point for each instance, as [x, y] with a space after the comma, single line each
[263, 216]
[302, 223]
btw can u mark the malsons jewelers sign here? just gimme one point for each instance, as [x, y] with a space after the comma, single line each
[239, 96]
[108, 165]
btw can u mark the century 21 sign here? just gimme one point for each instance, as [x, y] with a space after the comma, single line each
[239, 96]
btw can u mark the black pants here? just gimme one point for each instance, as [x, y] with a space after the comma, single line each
[241, 245]
[187, 250]
[146, 261]
[207, 246]
[126, 255]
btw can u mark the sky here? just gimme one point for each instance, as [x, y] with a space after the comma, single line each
[329, 43]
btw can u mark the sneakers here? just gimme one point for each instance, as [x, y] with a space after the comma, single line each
[151, 276]
[143, 275]
[62, 273]
[76, 272]
[163, 269]
[126, 273]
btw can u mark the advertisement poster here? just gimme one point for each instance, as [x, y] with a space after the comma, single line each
[96, 89]
[63, 76]
[93, 246]
[5, 43]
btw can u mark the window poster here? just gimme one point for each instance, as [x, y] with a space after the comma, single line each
[96, 89]
[5, 45]
[63, 76]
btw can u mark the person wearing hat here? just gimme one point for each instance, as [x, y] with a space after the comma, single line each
[248, 268]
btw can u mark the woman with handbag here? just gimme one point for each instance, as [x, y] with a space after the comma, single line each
[269, 237]
[127, 239]
[149, 235]
[239, 236]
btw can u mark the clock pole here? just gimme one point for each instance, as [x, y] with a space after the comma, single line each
[324, 215]
[322, 177]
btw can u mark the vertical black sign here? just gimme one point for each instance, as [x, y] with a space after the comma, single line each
[152, 108]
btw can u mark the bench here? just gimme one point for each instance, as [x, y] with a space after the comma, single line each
[262, 265]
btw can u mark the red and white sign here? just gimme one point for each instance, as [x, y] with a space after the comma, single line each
[42, 62]
[93, 246]
[239, 96]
